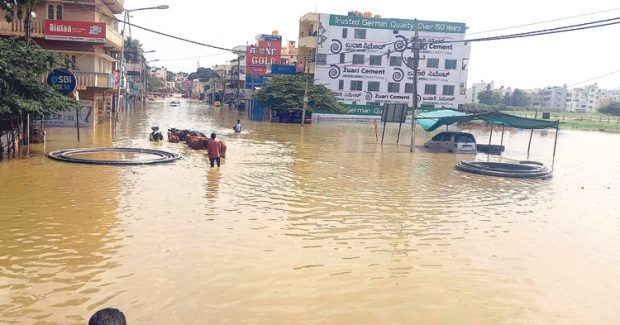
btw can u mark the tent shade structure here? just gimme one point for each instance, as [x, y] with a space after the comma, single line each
[496, 118]
[431, 121]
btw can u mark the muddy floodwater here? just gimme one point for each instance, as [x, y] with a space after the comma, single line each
[309, 225]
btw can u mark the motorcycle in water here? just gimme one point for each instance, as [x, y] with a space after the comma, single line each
[156, 134]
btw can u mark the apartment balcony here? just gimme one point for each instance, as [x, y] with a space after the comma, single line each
[16, 28]
[308, 41]
[115, 6]
[113, 38]
[91, 79]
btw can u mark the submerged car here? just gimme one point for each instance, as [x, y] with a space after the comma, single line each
[459, 142]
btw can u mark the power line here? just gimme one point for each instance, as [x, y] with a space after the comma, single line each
[595, 78]
[546, 21]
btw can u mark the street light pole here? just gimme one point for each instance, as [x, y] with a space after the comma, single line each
[305, 106]
[416, 64]
[121, 67]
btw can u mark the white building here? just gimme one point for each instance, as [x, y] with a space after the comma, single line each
[554, 98]
[476, 88]
[358, 59]
[586, 99]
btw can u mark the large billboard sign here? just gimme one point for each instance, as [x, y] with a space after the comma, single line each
[359, 59]
[77, 31]
[262, 55]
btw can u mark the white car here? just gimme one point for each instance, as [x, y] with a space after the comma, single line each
[459, 142]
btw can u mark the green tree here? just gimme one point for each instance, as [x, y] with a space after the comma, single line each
[611, 109]
[155, 83]
[489, 97]
[287, 92]
[519, 98]
[23, 68]
[16, 9]
[507, 99]
[203, 73]
[170, 76]
[133, 51]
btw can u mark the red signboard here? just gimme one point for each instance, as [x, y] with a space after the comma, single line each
[77, 31]
[264, 54]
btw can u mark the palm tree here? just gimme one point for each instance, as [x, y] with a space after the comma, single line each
[133, 51]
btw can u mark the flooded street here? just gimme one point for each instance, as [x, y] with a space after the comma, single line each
[308, 225]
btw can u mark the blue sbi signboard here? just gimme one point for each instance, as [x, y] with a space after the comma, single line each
[62, 80]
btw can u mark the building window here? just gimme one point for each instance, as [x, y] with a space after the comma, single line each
[375, 59]
[358, 59]
[345, 31]
[360, 33]
[341, 57]
[393, 87]
[450, 64]
[432, 63]
[373, 85]
[430, 89]
[409, 88]
[59, 12]
[50, 12]
[395, 61]
[340, 84]
[321, 59]
[448, 90]
[356, 85]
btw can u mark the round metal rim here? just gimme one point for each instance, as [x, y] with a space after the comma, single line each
[66, 155]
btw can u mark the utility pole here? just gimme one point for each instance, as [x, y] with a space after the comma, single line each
[305, 106]
[416, 64]
[120, 63]
[238, 78]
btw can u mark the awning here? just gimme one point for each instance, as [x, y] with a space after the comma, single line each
[496, 118]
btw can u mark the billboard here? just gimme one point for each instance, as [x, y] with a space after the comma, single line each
[77, 31]
[358, 59]
[261, 55]
[68, 118]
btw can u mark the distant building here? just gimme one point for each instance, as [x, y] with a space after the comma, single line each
[587, 99]
[476, 88]
[554, 98]
[289, 53]
[357, 57]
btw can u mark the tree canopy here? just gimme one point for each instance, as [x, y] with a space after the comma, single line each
[203, 73]
[489, 97]
[287, 92]
[133, 51]
[15, 9]
[23, 68]
[611, 109]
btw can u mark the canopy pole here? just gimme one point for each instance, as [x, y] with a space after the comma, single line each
[529, 144]
[383, 133]
[502, 142]
[491, 135]
[555, 144]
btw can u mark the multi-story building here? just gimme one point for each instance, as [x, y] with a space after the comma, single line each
[476, 88]
[160, 73]
[87, 33]
[587, 99]
[358, 58]
[289, 53]
[554, 98]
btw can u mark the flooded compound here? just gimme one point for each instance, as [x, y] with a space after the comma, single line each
[308, 225]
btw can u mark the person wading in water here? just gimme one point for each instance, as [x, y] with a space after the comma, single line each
[215, 148]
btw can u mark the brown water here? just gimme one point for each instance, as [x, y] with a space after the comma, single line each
[308, 225]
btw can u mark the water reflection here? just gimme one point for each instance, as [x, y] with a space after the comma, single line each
[315, 224]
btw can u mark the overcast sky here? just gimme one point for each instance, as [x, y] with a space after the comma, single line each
[541, 61]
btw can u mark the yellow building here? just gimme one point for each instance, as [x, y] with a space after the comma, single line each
[87, 32]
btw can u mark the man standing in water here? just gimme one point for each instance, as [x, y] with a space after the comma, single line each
[237, 126]
[215, 148]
